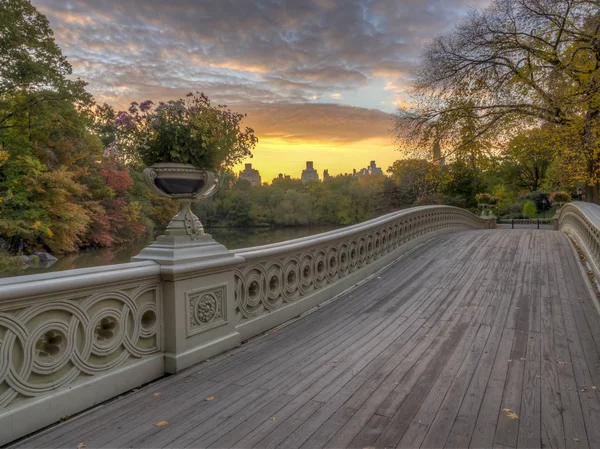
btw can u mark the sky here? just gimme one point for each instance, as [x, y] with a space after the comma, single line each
[319, 80]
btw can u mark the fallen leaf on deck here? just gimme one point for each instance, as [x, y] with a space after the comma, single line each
[562, 363]
[161, 423]
[590, 397]
[510, 413]
[229, 355]
[273, 418]
[576, 439]
[210, 398]
[594, 388]
[155, 394]
[80, 446]
[523, 358]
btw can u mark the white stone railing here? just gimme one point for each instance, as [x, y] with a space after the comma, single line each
[71, 339]
[582, 222]
[315, 268]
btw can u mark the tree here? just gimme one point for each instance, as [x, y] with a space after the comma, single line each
[517, 64]
[529, 155]
[32, 68]
[415, 178]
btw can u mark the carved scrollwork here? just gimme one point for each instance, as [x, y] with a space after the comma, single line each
[206, 309]
[265, 285]
[53, 342]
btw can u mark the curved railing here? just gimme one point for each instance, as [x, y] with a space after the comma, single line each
[582, 222]
[281, 274]
[71, 339]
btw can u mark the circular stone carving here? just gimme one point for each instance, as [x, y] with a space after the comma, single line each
[106, 329]
[206, 308]
[50, 344]
[148, 319]
[254, 291]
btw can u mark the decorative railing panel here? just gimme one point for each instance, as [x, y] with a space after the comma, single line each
[283, 273]
[50, 341]
[582, 220]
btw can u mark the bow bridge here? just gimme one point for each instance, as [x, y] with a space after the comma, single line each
[422, 328]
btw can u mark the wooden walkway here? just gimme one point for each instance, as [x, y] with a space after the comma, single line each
[478, 339]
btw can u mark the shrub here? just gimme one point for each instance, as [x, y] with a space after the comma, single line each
[560, 197]
[190, 131]
[483, 198]
[529, 209]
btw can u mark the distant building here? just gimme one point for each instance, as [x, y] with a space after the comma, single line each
[281, 177]
[326, 175]
[372, 169]
[251, 175]
[309, 174]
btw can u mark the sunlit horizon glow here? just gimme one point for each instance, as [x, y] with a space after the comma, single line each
[289, 158]
[319, 80]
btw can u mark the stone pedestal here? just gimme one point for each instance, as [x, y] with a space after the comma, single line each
[197, 296]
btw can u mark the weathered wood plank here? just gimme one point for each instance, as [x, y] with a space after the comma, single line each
[426, 354]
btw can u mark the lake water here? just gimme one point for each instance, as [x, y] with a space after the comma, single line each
[232, 238]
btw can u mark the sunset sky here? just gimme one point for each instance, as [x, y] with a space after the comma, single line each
[319, 79]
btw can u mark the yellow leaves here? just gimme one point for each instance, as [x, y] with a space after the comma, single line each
[510, 414]
[229, 355]
[80, 446]
[576, 439]
[161, 423]
[4, 156]
[37, 225]
[155, 394]
[210, 398]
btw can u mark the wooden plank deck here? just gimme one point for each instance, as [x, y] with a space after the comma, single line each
[478, 339]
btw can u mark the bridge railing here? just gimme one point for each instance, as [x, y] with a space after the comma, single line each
[581, 221]
[71, 339]
[279, 281]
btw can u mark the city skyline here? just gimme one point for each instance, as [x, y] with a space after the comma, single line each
[253, 174]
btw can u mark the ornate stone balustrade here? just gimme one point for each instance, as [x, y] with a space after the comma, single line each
[71, 339]
[298, 274]
[75, 338]
[582, 222]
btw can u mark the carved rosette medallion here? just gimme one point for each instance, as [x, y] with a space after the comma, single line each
[206, 309]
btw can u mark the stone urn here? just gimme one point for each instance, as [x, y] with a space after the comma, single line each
[185, 184]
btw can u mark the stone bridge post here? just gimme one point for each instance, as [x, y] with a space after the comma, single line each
[198, 298]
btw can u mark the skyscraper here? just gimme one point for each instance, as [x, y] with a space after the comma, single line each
[309, 174]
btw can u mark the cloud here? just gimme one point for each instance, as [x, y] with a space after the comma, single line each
[275, 50]
[316, 122]
[336, 96]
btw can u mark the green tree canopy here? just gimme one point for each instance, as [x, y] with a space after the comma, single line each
[514, 65]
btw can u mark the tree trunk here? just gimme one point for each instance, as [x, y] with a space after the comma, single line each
[592, 194]
[590, 145]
